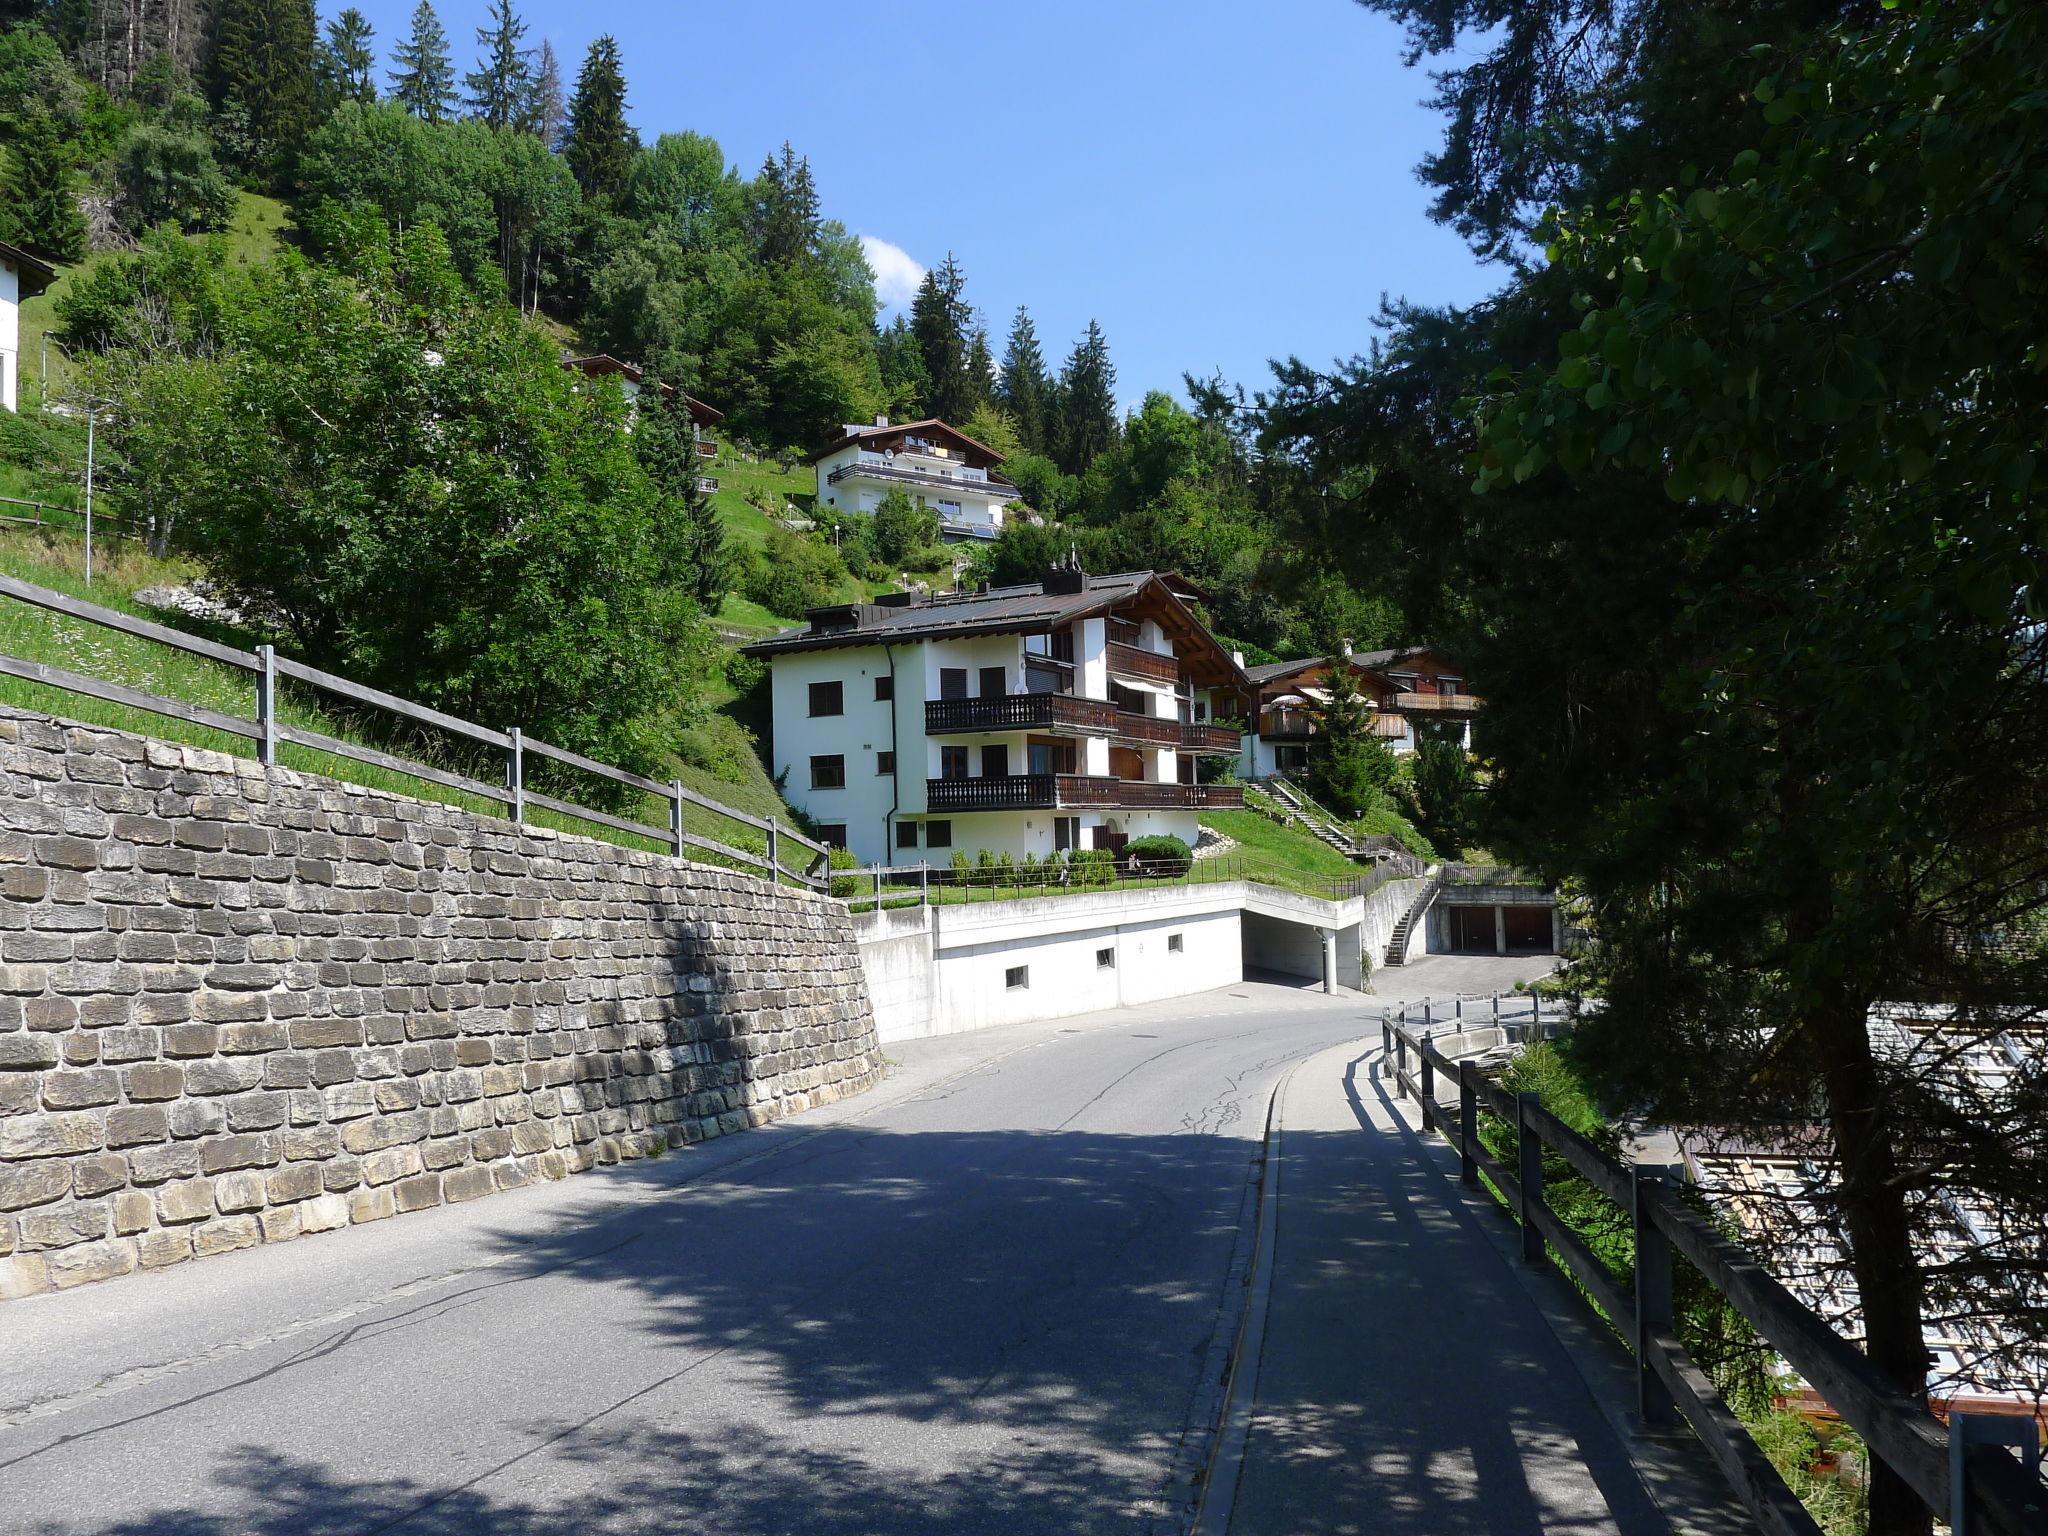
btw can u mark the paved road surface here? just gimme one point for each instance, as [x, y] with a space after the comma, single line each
[991, 1295]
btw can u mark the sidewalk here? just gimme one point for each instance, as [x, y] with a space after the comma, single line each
[1412, 1377]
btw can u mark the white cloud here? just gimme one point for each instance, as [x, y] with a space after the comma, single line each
[897, 272]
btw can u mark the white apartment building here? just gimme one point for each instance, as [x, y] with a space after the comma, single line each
[22, 277]
[930, 462]
[1066, 714]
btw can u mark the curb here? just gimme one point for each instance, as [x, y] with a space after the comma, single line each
[1241, 1376]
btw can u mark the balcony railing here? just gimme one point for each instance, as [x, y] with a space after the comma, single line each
[1437, 704]
[863, 469]
[1133, 662]
[1071, 714]
[1062, 791]
[1286, 723]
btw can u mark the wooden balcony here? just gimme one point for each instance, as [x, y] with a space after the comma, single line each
[1064, 791]
[1130, 661]
[1436, 704]
[1067, 714]
[1284, 724]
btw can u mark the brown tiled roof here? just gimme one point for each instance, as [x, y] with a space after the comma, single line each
[898, 428]
[1266, 672]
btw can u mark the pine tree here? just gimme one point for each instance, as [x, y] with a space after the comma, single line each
[1087, 403]
[939, 318]
[1022, 388]
[981, 370]
[601, 143]
[905, 384]
[424, 81]
[786, 208]
[263, 69]
[499, 84]
[38, 208]
[667, 450]
[347, 61]
[546, 113]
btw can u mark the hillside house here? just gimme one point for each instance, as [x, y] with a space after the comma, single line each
[22, 277]
[933, 464]
[1414, 692]
[631, 379]
[1069, 713]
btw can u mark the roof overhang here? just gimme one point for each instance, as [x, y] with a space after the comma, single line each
[33, 273]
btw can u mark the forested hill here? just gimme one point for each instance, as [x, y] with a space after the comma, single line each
[123, 126]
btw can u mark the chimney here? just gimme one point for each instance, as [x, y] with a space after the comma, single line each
[1066, 578]
[1346, 643]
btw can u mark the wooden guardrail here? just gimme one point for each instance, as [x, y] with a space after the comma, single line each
[1998, 1495]
[788, 852]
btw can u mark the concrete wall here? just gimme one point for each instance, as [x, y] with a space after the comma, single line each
[239, 1005]
[1290, 948]
[1383, 909]
[965, 953]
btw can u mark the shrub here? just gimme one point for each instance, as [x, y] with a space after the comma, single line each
[844, 885]
[1160, 854]
[1092, 866]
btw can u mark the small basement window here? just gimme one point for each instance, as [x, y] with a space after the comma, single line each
[1017, 978]
[885, 763]
[832, 833]
[906, 834]
[1173, 944]
[1105, 959]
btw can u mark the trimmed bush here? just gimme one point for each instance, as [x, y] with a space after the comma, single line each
[1160, 854]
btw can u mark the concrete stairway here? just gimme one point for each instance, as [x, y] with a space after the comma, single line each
[1314, 819]
[1397, 942]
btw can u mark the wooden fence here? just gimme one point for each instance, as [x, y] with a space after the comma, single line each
[788, 853]
[1978, 1488]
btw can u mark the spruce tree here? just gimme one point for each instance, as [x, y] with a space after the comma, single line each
[348, 60]
[1022, 387]
[601, 143]
[263, 68]
[981, 370]
[667, 450]
[939, 319]
[786, 208]
[38, 209]
[499, 84]
[1087, 403]
[547, 112]
[424, 81]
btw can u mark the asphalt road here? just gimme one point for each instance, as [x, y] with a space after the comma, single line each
[993, 1294]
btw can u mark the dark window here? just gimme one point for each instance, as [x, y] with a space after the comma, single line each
[1105, 959]
[1017, 978]
[952, 762]
[885, 688]
[1184, 769]
[1130, 699]
[938, 834]
[995, 682]
[952, 682]
[828, 698]
[832, 833]
[1049, 757]
[1066, 832]
[1063, 644]
[995, 761]
[1173, 944]
[828, 772]
[906, 834]
[885, 763]
[1447, 686]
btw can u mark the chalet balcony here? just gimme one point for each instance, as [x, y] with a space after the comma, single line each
[1286, 724]
[1436, 704]
[896, 474]
[1072, 791]
[1130, 661]
[1067, 714]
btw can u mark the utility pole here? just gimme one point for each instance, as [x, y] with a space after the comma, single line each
[92, 416]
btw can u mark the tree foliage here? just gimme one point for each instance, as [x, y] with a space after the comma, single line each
[424, 81]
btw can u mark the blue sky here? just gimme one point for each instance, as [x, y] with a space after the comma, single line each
[1217, 182]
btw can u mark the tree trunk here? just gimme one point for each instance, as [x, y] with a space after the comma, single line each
[1880, 1235]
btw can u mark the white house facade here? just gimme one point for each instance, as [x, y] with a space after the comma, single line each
[933, 464]
[1414, 693]
[22, 277]
[1067, 714]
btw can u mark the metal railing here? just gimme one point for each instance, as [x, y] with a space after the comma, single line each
[934, 479]
[1993, 1493]
[268, 732]
[909, 885]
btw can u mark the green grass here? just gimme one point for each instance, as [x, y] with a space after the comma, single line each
[254, 233]
[715, 755]
[1284, 846]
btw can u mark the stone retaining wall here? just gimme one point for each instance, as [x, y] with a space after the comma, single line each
[238, 1005]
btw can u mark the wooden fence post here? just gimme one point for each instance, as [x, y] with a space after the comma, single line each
[1428, 1075]
[515, 773]
[1653, 1295]
[774, 846]
[1529, 1173]
[1400, 1063]
[266, 705]
[675, 819]
[1468, 1122]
